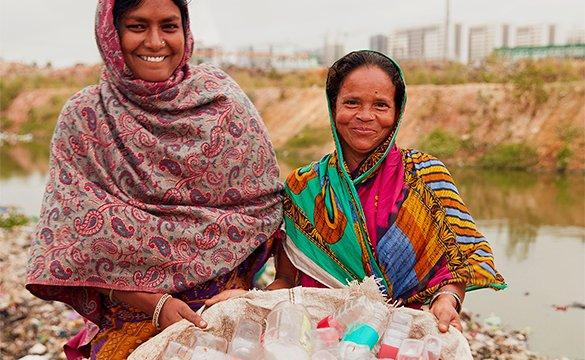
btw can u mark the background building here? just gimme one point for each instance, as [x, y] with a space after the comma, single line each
[420, 43]
[331, 52]
[481, 43]
[379, 43]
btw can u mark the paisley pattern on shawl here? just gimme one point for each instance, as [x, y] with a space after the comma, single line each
[148, 181]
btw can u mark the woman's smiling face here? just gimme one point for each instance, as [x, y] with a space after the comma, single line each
[365, 113]
[152, 39]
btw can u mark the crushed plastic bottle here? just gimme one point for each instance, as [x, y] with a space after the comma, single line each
[288, 333]
[325, 344]
[352, 351]
[397, 331]
[411, 349]
[367, 325]
[176, 351]
[245, 344]
[351, 312]
[433, 347]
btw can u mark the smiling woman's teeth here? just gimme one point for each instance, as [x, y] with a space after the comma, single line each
[153, 58]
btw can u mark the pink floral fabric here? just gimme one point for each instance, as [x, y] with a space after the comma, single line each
[152, 186]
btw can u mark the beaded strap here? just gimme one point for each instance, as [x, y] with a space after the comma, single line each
[158, 308]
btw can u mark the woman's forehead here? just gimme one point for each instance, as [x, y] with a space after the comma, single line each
[368, 79]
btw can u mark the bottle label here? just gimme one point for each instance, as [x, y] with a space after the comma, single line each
[362, 334]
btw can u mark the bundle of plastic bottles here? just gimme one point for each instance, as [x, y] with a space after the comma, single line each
[362, 329]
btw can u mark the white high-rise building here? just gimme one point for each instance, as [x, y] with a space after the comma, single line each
[481, 43]
[576, 37]
[332, 52]
[420, 43]
[379, 43]
[535, 35]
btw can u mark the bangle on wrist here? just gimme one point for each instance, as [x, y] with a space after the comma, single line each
[447, 292]
[158, 308]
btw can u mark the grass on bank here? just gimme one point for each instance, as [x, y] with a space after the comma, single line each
[10, 217]
[518, 156]
[304, 147]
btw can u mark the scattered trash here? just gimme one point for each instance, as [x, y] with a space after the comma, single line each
[493, 321]
[574, 305]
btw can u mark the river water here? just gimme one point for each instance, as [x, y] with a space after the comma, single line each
[536, 226]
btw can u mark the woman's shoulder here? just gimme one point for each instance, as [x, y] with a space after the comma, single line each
[209, 71]
[300, 176]
[423, 162]
[89, 96]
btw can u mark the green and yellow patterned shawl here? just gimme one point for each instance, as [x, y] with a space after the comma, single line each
[327, 231]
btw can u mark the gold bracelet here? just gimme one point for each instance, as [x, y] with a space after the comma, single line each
[110, 295]
[158, 308]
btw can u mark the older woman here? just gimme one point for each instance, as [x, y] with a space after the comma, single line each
[163, 186]
[372, 209]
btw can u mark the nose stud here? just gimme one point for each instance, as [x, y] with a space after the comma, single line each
[163, 43]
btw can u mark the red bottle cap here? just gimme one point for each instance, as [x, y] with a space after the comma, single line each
[388, 352]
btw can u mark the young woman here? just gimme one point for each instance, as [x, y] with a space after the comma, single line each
[163, 186]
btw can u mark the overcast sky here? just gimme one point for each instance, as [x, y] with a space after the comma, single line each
[61, 31]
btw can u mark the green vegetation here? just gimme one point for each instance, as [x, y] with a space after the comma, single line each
[10, 217]
[517, 156]
[529, 83]
[13, 85]
[41, 120]
[304, 147]
[9, 90]
[568, 135]
[250, 79]
[440, 144]
[563, 157]
[309, 137]
[494, 70]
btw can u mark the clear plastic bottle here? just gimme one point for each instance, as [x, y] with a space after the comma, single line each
[245, 344]
[364, 327]
[352, 351]
[176, 351]
[411, 349]
[288, 333]
[396, 332]
[209, 347]
[325, 344]
[433, 347]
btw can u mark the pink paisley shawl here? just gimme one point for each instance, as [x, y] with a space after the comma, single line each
[152, 186]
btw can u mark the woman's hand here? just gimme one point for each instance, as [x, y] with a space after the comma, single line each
[444, 308]
[224, 295]
[280, 283]
[175, 310]
[172, 311]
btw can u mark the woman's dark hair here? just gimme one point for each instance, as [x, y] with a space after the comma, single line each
[121, 7]
[342, 67]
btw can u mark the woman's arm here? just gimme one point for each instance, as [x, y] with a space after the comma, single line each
[172, 311]
[286, 273]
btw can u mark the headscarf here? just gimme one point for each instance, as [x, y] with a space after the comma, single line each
[331, 238]
[153, 186]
